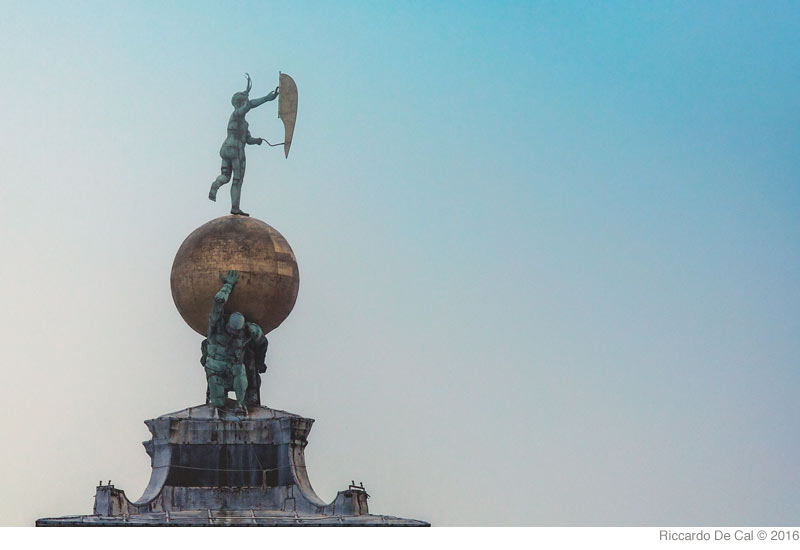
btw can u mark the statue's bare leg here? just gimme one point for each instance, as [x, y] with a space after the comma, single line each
[222, 179]
[217, 392]
[236, 186]
[240, 385]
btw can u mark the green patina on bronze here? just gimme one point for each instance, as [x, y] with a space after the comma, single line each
[232, 150]
[233, 353]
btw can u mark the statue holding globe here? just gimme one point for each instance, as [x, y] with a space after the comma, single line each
[233, 352]
[261, 281]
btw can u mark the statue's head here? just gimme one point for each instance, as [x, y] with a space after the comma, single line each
[240, 98]
[235, 323]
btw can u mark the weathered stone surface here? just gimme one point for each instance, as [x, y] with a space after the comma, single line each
[210, 468]
[225, 518]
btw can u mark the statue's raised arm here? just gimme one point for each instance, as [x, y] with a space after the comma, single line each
[261, 100]
[218, 308]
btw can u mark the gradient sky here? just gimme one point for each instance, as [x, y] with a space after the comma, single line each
[549, 251]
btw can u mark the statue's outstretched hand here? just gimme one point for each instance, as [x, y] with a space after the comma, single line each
[230, 277]
[277, 90]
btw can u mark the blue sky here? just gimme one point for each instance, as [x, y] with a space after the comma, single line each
[549, 252]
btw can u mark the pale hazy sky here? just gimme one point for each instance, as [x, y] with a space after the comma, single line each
[549, 251]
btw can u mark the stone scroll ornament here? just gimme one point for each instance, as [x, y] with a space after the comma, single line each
[232, 150]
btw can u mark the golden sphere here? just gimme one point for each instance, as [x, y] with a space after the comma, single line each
[268, 278]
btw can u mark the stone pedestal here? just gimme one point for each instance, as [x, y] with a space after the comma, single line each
[212, 468]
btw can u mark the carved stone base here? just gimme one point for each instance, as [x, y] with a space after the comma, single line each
[213, 468]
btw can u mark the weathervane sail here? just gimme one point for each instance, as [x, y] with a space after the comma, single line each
[287, 108]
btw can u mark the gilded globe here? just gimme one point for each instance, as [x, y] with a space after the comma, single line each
[268, 278]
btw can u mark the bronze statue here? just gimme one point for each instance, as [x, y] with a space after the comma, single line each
[232, 150]
[233, 353]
